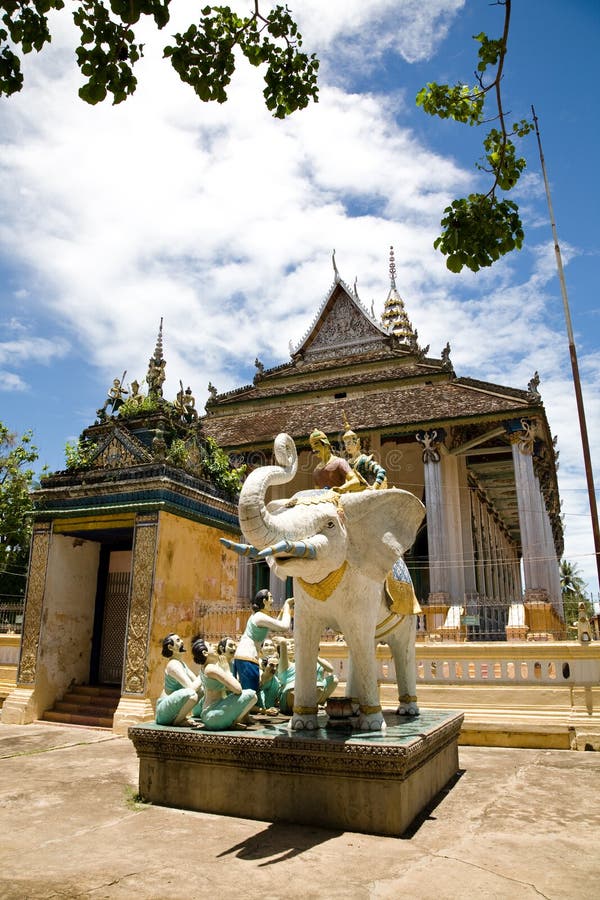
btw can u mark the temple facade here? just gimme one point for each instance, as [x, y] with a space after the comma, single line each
[479, 455]
[125, 549]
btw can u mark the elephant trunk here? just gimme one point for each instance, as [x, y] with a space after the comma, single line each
[258, 526]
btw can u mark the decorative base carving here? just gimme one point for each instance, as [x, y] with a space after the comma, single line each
[377, 786]
[542, 619]
[132, 711]
[435, 612]
[516, 632]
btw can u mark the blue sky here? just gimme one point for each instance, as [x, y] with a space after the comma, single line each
[222, 219]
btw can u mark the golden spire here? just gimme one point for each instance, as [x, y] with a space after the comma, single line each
[394, 317]
[156, 368]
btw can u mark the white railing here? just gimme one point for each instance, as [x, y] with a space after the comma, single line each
[560, 663]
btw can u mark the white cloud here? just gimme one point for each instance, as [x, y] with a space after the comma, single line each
[366, 31]
[31, 349]
[10, 381]
[197, 212]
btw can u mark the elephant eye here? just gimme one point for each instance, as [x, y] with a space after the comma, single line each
[331, 524]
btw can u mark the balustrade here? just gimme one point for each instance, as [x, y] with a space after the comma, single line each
[554, 664]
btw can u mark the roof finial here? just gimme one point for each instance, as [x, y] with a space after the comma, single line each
[335, 268]
[392, 268]
[158, 350]
[156, 367]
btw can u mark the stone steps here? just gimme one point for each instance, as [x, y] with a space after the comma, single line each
[61, 718]
[89, 705]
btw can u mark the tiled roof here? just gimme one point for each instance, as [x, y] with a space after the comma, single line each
[327, 380]
[377, 409]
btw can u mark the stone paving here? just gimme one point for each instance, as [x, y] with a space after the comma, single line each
[513, 824]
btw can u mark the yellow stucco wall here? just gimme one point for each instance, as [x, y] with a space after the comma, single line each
[192, 569]
[68, 616]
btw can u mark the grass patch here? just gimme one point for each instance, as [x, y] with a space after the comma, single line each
[133, 801]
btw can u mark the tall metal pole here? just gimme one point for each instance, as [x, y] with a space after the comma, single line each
[575, 367]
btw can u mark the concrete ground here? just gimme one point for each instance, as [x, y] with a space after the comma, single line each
[513, 824]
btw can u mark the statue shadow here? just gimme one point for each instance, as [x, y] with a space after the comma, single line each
[280, 841]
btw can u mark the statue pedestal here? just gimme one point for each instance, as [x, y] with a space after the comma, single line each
[375, 782]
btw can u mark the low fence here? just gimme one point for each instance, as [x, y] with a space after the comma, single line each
[486, 619]
[216, 621]
[564, 663]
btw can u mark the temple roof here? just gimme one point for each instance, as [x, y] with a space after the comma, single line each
[394, 408]
[349, 362]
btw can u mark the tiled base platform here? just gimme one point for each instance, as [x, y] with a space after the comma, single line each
[375, 783]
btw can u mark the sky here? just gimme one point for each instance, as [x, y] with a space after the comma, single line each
[222, 219]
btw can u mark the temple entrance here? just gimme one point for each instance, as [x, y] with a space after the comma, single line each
[110, 619]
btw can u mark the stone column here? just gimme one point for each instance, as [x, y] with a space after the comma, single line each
[470, 581]
[436, 533]
[553, 564]
[135, 706]
[487, 546]
[547, 554]
[516, 627]
[21, 705]
[477, 528]
[453, 526]
[530, 523]
[497, 561]
[516, 581]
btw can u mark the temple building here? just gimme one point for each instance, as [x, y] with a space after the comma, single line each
[125, 549]
[479, 455]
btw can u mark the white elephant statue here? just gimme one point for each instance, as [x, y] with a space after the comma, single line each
[339, 549]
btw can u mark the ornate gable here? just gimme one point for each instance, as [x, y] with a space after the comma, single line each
[118, 450]
[342, 327]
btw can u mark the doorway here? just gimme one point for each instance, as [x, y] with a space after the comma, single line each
[110, 621]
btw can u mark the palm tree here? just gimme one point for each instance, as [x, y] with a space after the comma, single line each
[573, 588]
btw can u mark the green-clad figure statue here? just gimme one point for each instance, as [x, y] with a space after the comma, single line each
[370, 472]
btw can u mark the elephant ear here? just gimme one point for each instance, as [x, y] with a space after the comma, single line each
[382, 525]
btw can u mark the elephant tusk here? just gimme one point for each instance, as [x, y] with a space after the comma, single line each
[299, 549]
[242, 549]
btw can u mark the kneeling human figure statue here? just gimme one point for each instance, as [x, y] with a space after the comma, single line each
[225, 703]
[183, 689]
